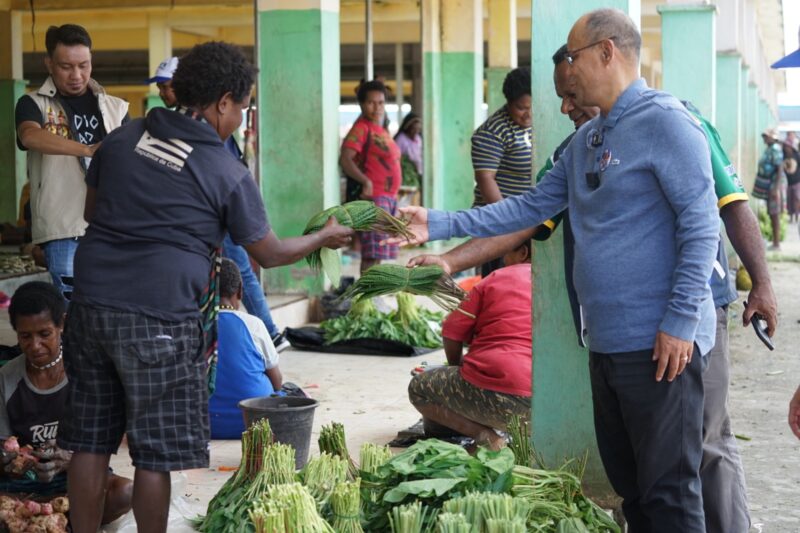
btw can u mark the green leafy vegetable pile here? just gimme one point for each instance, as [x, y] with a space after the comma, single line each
[433, 486]
[410, 324]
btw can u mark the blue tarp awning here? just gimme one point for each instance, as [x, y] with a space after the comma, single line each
[792, 60]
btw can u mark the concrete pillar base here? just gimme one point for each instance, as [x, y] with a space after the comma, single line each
[12, 172]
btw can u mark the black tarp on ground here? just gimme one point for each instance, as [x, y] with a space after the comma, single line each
[312, 339]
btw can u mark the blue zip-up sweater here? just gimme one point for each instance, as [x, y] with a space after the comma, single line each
[639, 188]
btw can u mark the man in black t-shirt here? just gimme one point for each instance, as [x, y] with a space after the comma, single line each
[61, 125]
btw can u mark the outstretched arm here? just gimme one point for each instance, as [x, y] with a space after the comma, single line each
[475, 251]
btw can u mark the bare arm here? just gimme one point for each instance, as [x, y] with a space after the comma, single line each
[487, 184]
[271, 251]
[453, 350]
[275, 377]
[348, 162]
[794, 413]
[745, 236]
[34, 137]
[475, 251]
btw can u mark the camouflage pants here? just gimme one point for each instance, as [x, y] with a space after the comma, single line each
[446, 387]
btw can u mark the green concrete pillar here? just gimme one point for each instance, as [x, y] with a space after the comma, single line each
[747, 167]
[453, 75]
[756, 126]
[563, 423]
[12, 170]
[688, 54]
[298, 121]
[729, 105]
[159, 33]
[502, 49]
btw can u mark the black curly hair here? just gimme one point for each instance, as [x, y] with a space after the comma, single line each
[209, 71]
[230, 278]
[517, 84]
[368, 87]
[35, 297]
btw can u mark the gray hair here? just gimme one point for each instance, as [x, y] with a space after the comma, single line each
[606, 23]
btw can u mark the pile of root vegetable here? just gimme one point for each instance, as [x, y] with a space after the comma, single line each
[409, 324]
[433, 486]
[28, 516]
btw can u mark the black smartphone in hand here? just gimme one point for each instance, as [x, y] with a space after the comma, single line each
[760, 326]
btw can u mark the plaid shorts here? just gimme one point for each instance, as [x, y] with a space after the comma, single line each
[371, 247]
[446, 387]
[131, 373]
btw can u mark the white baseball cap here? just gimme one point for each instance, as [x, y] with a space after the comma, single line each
[164, 71]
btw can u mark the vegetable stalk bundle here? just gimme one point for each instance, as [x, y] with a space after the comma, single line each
[346, 507]
[361, 215]
[322, 474]
[228, 509]
[296, 505]
[428, 280]
[372, 456]
[453, 523]
[519, 431]
[407, 518]
[505, 525]
[332, 441]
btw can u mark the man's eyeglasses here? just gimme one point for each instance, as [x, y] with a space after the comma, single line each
[573, 55]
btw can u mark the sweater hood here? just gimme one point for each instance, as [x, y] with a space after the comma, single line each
[163, 123]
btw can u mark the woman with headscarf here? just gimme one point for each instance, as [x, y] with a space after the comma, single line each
[409, 140]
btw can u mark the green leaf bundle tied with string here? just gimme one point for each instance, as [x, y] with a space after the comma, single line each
[428, 280]
[361, 215]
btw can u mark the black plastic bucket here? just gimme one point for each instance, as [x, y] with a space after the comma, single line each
[290, 419]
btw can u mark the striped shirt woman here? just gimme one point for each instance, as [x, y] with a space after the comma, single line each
[502, 146]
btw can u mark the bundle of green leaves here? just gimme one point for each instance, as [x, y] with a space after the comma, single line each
[361, 215]
[410, 324]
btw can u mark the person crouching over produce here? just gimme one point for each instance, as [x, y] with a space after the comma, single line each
[248, 360]
[480, 391]
[33, 396]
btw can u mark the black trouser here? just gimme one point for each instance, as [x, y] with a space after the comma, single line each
[650, 436]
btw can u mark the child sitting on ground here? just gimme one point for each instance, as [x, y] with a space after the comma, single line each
[247, 364]
[480, 391]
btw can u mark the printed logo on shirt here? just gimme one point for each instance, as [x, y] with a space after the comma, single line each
[172, 153]
[83, 124]
[42, 433]
[57, 125]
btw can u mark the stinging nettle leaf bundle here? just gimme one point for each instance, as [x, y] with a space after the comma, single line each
[428, 280]
[361, 215]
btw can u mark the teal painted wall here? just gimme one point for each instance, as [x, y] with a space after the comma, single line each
[461, 99]
[747, 171]
[689, 55]
[729, 104]
[298, 100]
[563, 423]
[756, 127]
[495, 76]
[13, 173]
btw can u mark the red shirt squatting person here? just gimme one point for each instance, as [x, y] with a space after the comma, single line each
[480, 391]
